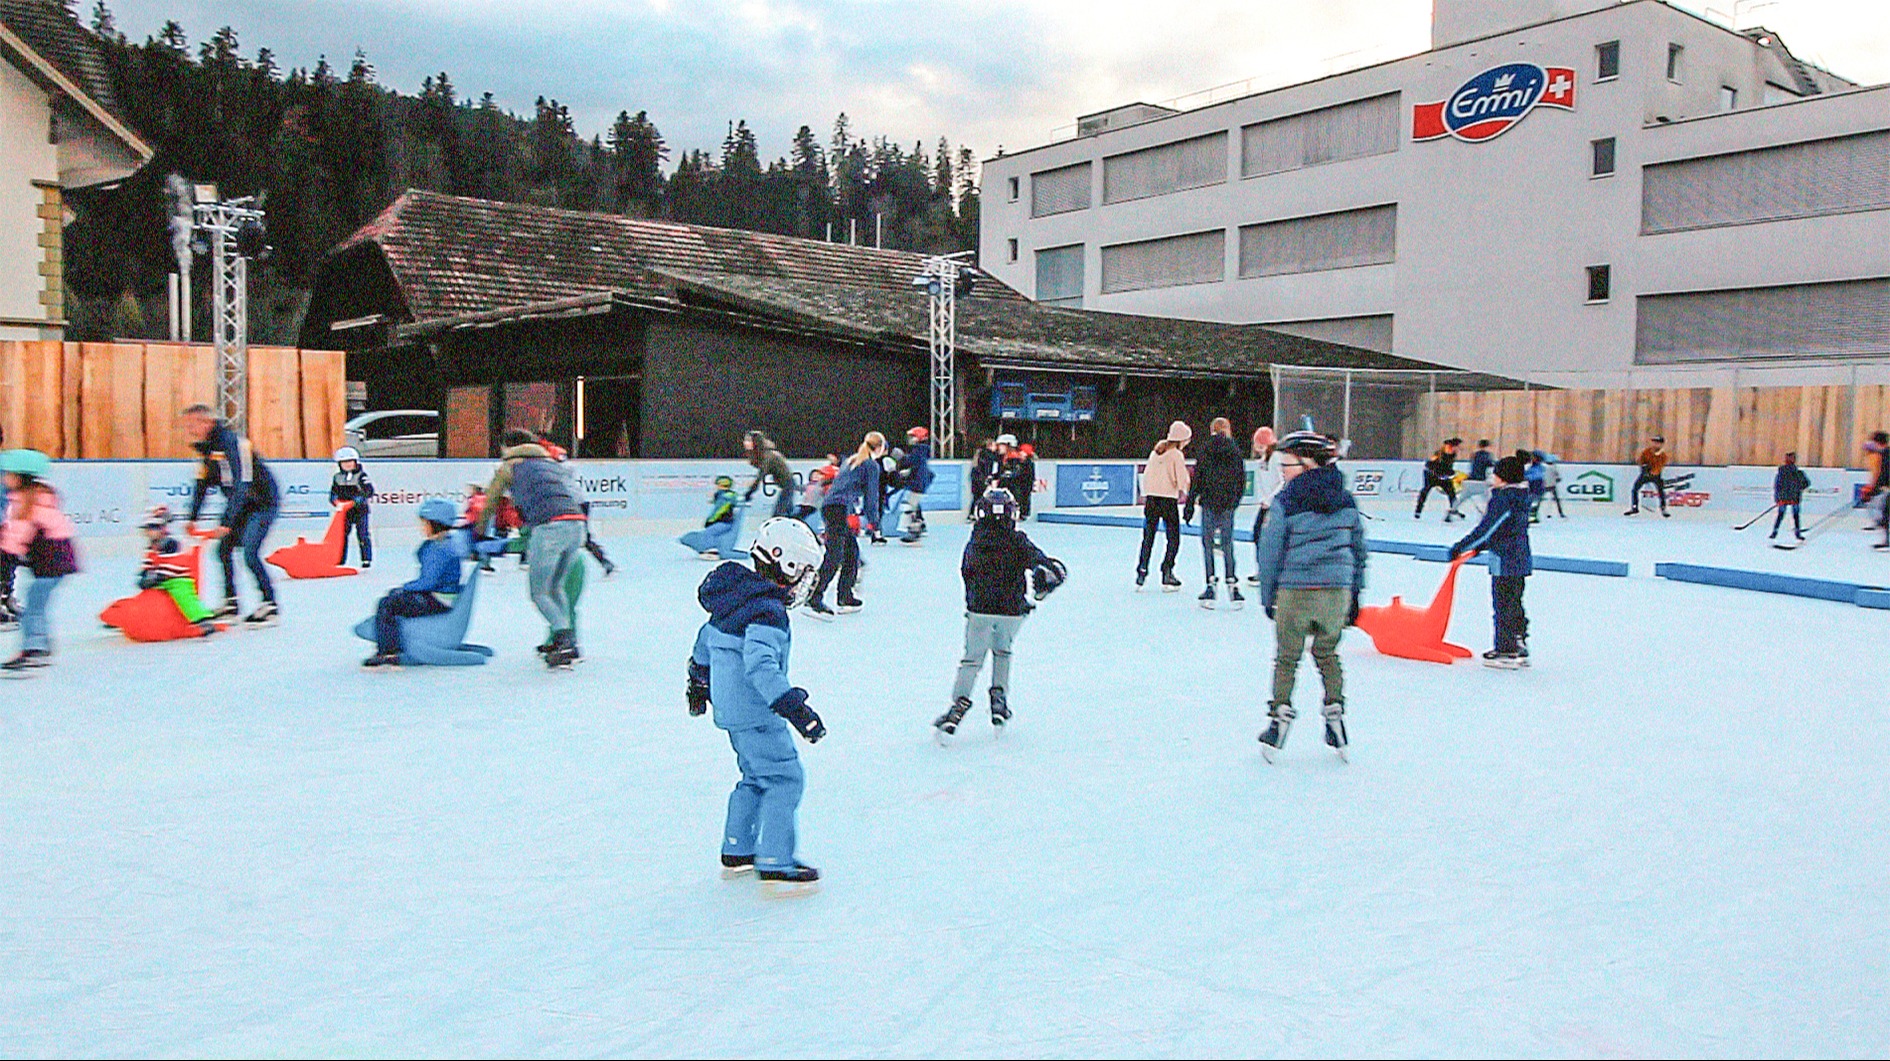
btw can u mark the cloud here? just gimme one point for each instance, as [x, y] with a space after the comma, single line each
[983, 72]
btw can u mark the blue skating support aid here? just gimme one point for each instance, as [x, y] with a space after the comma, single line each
[1762, 582]
[438, 640]
[1871, 597]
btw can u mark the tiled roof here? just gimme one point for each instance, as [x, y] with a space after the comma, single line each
[59, 39]
[1029, 334]
[454, 256]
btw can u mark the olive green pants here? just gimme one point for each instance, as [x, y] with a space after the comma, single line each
[1297, 615]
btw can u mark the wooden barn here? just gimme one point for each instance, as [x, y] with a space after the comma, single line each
[632, 338]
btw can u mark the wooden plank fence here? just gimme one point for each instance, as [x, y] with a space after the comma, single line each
[1824, 425]
[120, 400]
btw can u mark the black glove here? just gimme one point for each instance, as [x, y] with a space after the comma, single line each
[1351, 614]
[698, 688]
[1187, 513]
[1269, 611]
[793, 707]
[150, 580]
[1045, 578]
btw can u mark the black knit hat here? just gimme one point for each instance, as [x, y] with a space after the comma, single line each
[1510, 470]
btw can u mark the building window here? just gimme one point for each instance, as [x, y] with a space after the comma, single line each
[1058, 191]
[1841, 175]
[1060, 276]
[1340, 240]
[1597, 284]
[1197, 258]
[1674, 69]
[1844, 318]
[1728, 98]
[1013, 250]
[1168, 168]
[1602, 161]
[1332, 134]
[1015, 181]
[1608, 61]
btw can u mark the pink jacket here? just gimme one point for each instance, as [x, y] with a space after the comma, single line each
[23, 525]
[1167, 472]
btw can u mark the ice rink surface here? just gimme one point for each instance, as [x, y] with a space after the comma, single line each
[1667, 838]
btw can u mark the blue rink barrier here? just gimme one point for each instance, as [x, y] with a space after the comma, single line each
[1437, 553]
[1786, 585]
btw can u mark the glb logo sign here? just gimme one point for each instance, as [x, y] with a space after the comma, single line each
[1593, 486]
[1492, 102]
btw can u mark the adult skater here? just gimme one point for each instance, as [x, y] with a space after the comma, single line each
[984, 468]
[1788, 492]
[1164, 484]
[739, 668]
[1220, 479]
[351, 484]
[1503, 535]
[1312, 567]
[770, 467]
[1440, 473]
[1476, 481]
[553, 519]
[1653, 461]
[1018, 475]
[1877, 479]
[857, 484]
[1267, 480]
[999, 560]
[228, 462]
[916, 470]
[562, 457]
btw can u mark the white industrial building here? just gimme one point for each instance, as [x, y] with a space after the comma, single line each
[1576, 192]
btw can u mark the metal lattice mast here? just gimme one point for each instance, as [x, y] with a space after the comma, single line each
[942, 299]
[230, 312]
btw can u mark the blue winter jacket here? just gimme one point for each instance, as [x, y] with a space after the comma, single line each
[1534, 476]
[1314, 538]
[917, 466]
[857, 485]
[745, 646]
[1503, 536]
[439, 568]
[228, 461]
[1480, 464]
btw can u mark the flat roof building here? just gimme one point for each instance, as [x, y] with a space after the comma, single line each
[1581, 193]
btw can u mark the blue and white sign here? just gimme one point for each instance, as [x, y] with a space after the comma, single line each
[1095, 485]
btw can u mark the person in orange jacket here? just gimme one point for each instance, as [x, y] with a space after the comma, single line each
[1653, 461]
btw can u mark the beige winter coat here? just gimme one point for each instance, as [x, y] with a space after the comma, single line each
[1167, 472]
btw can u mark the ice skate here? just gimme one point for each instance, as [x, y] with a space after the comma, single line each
[1141, 579]
[1279, 724]
[735, 867]
[1000, 709]
[1170, 583]
[27, 663]
[227, 610]
[1335, 729]
[383, 661]
[946, 725]
[794, 881]
[819, 610]
[1207, 597]
[1235, 601]
[265, 616]
[1502, 661]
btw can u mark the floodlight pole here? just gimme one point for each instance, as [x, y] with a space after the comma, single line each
[942, 336]
[230, 313]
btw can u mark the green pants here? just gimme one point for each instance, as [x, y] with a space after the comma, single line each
[1297, 615]
[185, 594]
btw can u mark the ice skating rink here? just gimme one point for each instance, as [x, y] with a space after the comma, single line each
[1667, 838]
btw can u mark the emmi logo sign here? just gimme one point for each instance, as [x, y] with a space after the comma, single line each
[1592, 486]
[1493, 102]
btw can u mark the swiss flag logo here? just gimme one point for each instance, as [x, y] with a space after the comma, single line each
[1560, 89]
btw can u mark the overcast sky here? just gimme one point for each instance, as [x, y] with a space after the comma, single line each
[983, 72]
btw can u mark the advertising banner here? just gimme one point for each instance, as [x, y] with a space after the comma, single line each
[1094, 485]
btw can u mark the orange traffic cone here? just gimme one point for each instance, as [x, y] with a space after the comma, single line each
[1398, 629]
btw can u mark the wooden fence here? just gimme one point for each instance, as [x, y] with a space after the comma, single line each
[1825, 426]
[121, 400]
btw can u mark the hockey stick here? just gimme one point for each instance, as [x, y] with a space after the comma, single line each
[1758, 517]
[1825, 522]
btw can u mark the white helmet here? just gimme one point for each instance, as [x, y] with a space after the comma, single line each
[786, 551]
[347, 453]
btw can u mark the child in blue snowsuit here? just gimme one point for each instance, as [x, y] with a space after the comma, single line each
[431, 592]
[740, 668]
[723, 524]
[1504, 537]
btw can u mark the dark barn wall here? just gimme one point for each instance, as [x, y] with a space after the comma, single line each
[1129, 422]
[705, 384]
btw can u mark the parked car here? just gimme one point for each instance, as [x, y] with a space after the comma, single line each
[394, 433]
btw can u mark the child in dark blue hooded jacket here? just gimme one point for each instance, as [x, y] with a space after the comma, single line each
[739, 666]
[1503, 536]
